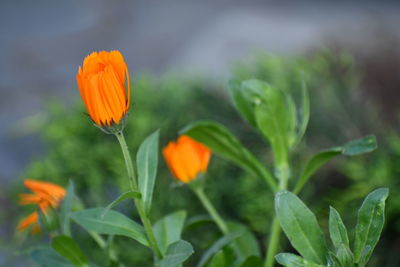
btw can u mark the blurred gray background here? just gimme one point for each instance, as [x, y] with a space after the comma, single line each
[43, 42]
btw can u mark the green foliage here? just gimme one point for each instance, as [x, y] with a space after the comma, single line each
[111, 223]
[301, 227]
[303, 232]
[370, 220]
[169, 229]
[147, 163]
[47, 257]
[177, 253]
[78, 151]
[67, 247]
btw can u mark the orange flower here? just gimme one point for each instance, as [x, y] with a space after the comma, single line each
[186, 158]
[45, 196]
[104, 85]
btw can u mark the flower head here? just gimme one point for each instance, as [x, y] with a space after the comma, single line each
[104, 85]
[186, 158]
[45, 196]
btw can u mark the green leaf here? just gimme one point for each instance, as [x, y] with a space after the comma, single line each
[242, 100]
[147, 162]
[197, 221]
[177, 253]
[345, 256]
[47, 257]
[364, 256]
[301, 227]
[122, 197]
[252, 261]
[222, 142]
[305, 115]
[113, 223]
[352, 148]
[217, 246]
[292, 260]
[360, 146]
[370, 221]
[218, 260]
[245, 245]
[272, 117]
[169, 229]
[337, 229]
[67, 247]
[66, 208]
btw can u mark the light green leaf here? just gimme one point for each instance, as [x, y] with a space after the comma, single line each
[217, 246]
[345, 256]
[47, 257]
[337, 229]
[113, 223]
[301, 227]
[292, 260]
[242, 100]
[305, 114]
[177, 253]
[66, 208]
[352, 148]
[222, 142]
[370, 221]
[122, 197]
[169, 229]
[147, 162]
[272, 117]
[67, 247]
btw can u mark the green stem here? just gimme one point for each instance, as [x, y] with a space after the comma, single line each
[138, 202]
[273, 243]
[199, 191]
[283, 173]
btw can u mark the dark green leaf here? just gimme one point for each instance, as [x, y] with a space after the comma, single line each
[222, 142]
[252, 261]
[47, 257]
[218, 260]
[177, 253]
[301, 227]
[352, 148]
[122, 197]
[113, 223]
[370, 221]
[169, 229]
[66, 207]
[337, 229]
[197, 221]
[217, 246]
[291, 260]
[245, 245]
[147, 162]
[67, 247]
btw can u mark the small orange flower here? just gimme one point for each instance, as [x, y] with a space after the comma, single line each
[45, 196]
[186, 158]
[104, 85]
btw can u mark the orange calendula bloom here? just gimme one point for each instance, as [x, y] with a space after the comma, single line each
[186, 158]
[45, 196]
[104, 85]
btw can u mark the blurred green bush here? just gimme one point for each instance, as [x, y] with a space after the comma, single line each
[339, 112]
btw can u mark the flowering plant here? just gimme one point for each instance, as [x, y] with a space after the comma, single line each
[104, 84]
